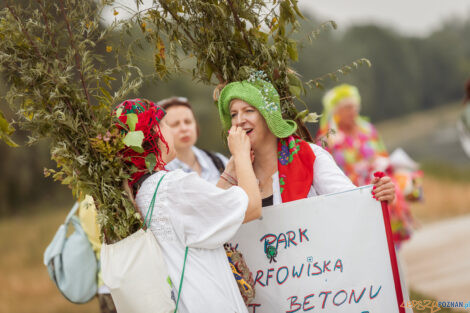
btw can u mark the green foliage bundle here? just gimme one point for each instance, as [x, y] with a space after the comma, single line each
[59, 87]
[232, 39]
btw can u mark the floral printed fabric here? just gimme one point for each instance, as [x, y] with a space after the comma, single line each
[295, 165]
[359, 156]
[241, 272]
[356, 155]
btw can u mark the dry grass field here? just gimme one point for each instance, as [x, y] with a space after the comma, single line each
[26, 286]
[442, 199]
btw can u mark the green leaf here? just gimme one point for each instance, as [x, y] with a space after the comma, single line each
[292, 50]
[107, 80]
[134, 139]
[106, 94]
[8, 141]
[132, 120]
[5, 127]
[67, 180]
[295, 91]
[118, 112]
[366, 61]
[294, 80]
[301, 114]
[311, 118]
[296, 8]
[5, 130]
[150, 162]
[208, 71]
[137, 149]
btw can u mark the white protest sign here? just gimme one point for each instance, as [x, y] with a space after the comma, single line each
[323, 254]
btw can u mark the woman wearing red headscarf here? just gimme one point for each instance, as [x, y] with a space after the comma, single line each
[191, 212]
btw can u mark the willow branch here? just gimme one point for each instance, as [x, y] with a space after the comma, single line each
[179, 22]
[239, 25]
[25, 33]
[46, 23]
[304, 133]
[77, 60]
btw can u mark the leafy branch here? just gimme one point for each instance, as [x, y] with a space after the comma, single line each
[61, 88]
[232, 39]
[344, 70]
[313, 35]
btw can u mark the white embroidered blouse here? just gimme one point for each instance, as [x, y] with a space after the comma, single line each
[190, 211]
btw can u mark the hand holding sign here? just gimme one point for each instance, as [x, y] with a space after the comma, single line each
[327, 253]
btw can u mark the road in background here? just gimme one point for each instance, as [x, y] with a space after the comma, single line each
[437, 260]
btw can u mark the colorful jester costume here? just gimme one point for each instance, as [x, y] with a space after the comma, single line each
[361, 154]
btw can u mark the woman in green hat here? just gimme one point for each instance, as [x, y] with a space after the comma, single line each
[287, 167]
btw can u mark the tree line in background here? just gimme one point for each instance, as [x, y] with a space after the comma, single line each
[407, 75]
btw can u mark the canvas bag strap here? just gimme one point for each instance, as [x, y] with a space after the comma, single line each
[72, 213]
[152, 203]
[149, 217]
[181, 280]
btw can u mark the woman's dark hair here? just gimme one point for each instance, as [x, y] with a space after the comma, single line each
[178, 101]
[175, 101]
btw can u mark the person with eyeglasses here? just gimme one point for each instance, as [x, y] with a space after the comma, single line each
[185, 129]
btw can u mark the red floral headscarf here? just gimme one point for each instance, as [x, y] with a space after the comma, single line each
[149, 116]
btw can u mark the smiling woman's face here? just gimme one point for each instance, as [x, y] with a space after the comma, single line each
[248, 117]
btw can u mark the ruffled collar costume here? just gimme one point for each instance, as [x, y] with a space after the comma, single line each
[354, 153]
[361, 153]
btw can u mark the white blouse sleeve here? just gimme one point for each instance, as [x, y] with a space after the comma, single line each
[327, 176]
[203, 215]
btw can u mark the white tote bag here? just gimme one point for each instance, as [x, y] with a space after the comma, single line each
[136, 274]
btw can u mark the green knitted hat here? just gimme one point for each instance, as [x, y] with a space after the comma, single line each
[264, 97]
